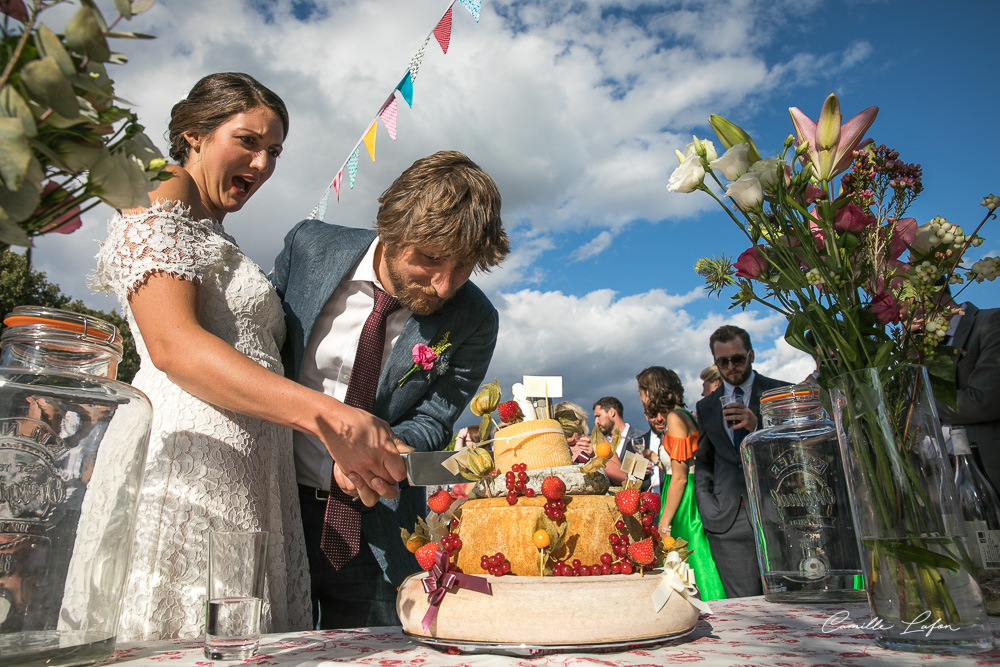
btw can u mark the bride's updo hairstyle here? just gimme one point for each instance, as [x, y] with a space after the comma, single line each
[214, 100]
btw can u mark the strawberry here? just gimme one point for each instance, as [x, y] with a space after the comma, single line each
[440, 501]
[553, 488]
[510, 412]
[650, 501]
[627, 501]
[425, 555]
[641, 552]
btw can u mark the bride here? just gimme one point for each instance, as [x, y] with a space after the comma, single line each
[208, 327]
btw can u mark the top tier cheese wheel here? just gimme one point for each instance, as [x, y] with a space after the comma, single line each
[539, 443]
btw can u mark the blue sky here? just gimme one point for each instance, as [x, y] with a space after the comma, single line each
[575, 108]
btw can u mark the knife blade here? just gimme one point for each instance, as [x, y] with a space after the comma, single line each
[426, 469]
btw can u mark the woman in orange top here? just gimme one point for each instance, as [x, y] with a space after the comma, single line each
[662, 396]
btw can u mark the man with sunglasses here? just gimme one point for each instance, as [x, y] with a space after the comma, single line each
[720, 488]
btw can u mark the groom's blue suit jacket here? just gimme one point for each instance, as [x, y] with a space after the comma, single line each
[317, 256]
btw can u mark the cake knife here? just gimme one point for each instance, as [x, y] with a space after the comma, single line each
[428, 469]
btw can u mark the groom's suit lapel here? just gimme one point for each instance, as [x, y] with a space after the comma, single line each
[330, 269]
[390, 397]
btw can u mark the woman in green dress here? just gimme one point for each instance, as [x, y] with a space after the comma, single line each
[662, 396]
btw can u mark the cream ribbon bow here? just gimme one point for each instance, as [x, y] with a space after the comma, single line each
[677, 577]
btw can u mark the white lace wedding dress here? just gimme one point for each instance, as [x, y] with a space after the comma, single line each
[208, 469]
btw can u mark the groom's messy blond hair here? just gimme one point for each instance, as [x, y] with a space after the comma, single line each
[445, 201]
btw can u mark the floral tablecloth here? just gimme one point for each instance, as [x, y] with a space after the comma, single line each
[744, 631]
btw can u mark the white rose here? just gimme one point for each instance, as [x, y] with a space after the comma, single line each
[922, 239]
[746, 191]
[688, 176]
[771, 171]
[733, 163]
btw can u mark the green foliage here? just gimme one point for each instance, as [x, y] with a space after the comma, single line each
[20, 285]
[66, 143]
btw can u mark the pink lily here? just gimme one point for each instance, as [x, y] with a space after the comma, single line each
[831, 145]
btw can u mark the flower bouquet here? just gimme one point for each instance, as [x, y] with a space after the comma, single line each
[832, 262]
[66, 141]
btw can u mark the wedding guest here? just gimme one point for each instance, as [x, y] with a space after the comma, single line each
[710, 380]
[208, 327]
[579, 442]
[609, 416]
[720, 488]
[409, 277]
[975, 335]
[673, 442]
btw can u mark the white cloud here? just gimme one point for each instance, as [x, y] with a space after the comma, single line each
[594, 247]
[573, 107]
[598, 342]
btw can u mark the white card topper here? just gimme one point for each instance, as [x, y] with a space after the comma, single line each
[634, 465]
[543, 386]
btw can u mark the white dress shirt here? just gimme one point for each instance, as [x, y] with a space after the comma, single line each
[329, 357]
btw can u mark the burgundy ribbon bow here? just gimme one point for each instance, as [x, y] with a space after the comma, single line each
[440, 581]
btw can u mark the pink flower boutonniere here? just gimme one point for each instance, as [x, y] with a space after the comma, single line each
[428, 358]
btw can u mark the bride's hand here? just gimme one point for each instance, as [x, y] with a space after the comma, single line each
[367, 495]
[366, 452]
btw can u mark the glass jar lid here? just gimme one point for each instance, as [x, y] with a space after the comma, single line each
[45, 321]
[795, 393]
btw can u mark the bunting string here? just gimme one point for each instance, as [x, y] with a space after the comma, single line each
[387, 113]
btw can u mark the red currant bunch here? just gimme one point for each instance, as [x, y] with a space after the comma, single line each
[619, 542]
[516, 480]
[497, 564]
[649, 508]
[555, 510]
[451, 542]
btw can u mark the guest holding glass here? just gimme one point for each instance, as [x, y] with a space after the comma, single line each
[726, 416]
[209, 327]
[673, 443]
[578, 441]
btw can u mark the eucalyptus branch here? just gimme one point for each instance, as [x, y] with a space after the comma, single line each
[21, 43]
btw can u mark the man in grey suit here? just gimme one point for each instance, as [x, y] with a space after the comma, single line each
[975, 335]
[720, 488]
[438, 221]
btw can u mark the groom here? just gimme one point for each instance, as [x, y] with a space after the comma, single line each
[438, 221]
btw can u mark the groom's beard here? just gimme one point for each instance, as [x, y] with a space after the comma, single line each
[411, 295]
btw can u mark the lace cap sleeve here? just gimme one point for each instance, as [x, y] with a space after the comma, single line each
[162, 238]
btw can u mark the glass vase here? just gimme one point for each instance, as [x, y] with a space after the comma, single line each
[799, 506]
[921, 592]
[72, 449]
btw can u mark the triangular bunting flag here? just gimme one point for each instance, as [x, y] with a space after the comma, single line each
[390, 110]
[336, 183]
[352, 168]
[370, 140]
[443, 30]
[319, 212]
[388, 116]
[473, 6]
[405, 88]
[417, 59]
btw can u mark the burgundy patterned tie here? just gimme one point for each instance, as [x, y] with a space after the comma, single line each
[341, 537]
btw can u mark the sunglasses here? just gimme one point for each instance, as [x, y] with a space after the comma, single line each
[735, 360]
